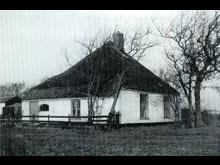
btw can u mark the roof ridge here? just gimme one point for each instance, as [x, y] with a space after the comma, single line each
[109, 43]
[130, 57]
[138, 77]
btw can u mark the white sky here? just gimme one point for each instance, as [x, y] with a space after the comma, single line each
[32, 41]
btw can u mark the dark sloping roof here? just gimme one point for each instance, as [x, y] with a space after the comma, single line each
[10, 100]
[13, 100]
[109, 62]
[5, 99]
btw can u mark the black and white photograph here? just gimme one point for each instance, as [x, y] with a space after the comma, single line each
[109, 83]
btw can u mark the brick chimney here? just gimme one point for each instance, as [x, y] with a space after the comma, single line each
[118, 40]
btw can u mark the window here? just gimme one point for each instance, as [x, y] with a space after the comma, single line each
[167, 100]
[144, 109]
[44, 107]
[76, 107]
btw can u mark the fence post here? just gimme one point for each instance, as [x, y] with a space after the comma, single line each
[117, 116]
[33, 119]
[69, 118]
[9, 138]
[48, 121]
[29, 120]
[9, 123]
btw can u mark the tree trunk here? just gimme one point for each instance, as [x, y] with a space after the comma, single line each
[191, 122]
[90, 108]
[192, 118]
[115, 100]
[118, 88]
[198, 116]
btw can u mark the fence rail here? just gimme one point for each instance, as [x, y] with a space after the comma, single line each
[46, 116]
[105, 119]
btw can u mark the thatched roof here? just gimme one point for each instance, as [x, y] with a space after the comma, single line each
[109, 62]
[10, 100]
[5, 99]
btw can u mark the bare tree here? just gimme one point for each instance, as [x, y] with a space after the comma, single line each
[93, 77]
[181, 79]
[195, 54]
[136, 45]
[175, 100]
[12, 89]
[3, 91]
[218, 89]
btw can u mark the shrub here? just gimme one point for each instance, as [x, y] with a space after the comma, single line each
[185, 117]
[206, 117]
[218, 116]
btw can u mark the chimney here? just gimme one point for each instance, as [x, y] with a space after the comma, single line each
[118, 40]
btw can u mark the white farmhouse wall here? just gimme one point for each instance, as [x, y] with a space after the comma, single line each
[1, 108]
[25, 108]
[129, 107]
[104, 106]
[63, 107]
[57, 107]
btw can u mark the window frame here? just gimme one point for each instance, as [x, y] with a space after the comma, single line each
[146, 112]
[78, 109]
[43, 109]
[167, 112]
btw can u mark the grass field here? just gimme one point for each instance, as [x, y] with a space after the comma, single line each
[154, 140]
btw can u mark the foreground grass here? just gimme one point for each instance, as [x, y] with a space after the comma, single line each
[154, 140]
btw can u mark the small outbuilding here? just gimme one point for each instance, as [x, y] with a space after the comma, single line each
[10, 106]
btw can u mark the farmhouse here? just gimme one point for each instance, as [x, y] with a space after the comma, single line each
[143, 98]
[10, 106]
[2, 104]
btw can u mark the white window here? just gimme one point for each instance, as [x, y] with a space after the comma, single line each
[44, 107]
[167, 101]
[76, 107]
[144, 108]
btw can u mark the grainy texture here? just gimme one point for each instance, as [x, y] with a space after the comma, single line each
[155, 140]
[74, 82]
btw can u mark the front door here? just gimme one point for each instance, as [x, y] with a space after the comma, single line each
[34, 109]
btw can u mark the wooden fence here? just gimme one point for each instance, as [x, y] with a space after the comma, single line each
[70, 120]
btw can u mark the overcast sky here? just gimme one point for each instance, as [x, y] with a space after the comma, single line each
[32, 42]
